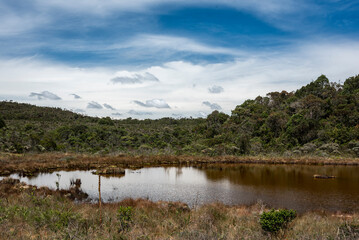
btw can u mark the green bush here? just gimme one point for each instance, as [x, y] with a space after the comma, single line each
[106, 121]
[274, 220]
[124, 216]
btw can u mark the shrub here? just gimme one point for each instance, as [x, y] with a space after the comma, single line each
[308, 148]
[330, 147]
[274, 220]
[106, 121]
[124, 216]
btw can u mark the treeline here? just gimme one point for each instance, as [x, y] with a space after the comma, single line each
[321, 118]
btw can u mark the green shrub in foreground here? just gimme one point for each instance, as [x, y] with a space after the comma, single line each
[274, 220]
[124, 216]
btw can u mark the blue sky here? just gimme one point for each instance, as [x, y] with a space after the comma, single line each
[155, 58]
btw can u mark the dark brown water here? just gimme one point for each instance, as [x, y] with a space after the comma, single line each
[279, 186]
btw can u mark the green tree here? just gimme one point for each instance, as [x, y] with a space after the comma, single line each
[351, 85]
[316, 88]
[297, 129]
[215, 120]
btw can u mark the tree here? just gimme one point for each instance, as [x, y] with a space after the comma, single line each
[298, 129]
[314, 107]
[351, 85]
[317, 88]
[215, 120]
[276, 122]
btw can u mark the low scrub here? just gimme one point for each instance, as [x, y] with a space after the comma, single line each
[124, 217]
[275, 220]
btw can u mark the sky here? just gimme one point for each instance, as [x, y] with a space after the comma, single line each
[155, 58]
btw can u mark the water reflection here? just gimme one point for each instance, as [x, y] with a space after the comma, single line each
[283, 177]
[276, 185]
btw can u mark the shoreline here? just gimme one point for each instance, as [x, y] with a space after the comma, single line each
[47, 162]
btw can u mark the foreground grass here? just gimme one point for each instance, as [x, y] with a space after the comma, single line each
[31, 163]
[31, 213]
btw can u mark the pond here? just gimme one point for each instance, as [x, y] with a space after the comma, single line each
[279, 186]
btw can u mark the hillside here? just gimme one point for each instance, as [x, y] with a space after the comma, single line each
[321, 118]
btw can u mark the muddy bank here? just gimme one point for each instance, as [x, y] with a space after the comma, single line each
[28, 164]
[12, 187]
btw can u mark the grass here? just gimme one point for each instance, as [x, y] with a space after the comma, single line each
[45, 162]
[31, 213]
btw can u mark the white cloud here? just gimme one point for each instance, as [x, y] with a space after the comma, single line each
[41, 13]
[75, 96]
[125, 77]
[215, 89]
[108, 106]
[156, 103]
[242, 79]
[14, 22]
[176, 44]
[79, 110]
[213, 106]
[177, 115]
[201, 115]
[46, 95]
[94, 105]
[138, 113]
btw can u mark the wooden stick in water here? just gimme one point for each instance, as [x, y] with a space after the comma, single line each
[99, 197]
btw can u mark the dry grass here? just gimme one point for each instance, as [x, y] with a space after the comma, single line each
[31, 163]
[30, 213]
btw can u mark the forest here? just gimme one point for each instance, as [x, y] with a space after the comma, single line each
[319, 119]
